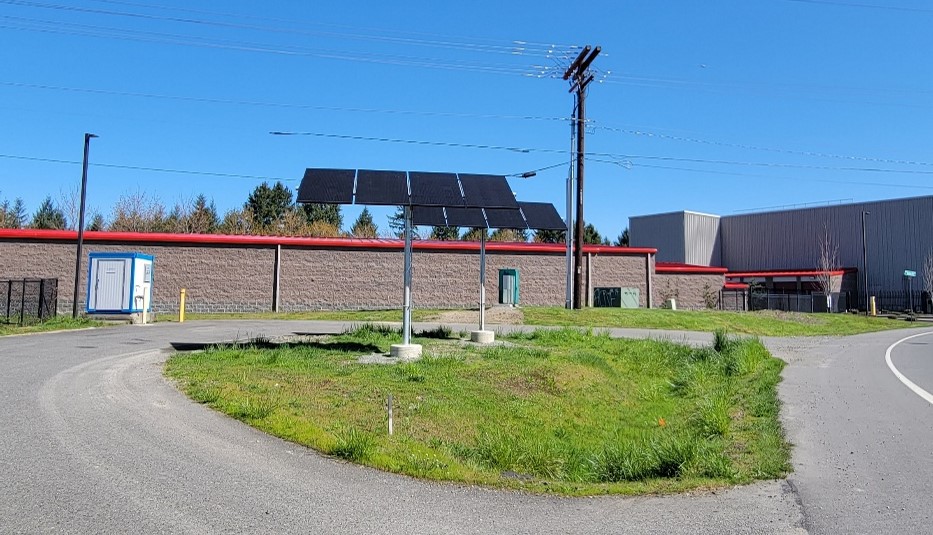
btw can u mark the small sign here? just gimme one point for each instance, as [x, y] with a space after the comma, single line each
[910, 273]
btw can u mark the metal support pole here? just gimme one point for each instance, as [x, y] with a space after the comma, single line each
[87, 146]
[482, 281]
[406, 317]
[568, 237]
[276, 277]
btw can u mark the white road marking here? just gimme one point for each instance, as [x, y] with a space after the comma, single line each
[910, 384]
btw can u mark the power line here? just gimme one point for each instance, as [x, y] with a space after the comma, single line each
[210, 100]
[148, 169]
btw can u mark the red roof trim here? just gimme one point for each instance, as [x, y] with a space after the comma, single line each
[809, 273]
[735, 286]
[673, 267]
[348, 243]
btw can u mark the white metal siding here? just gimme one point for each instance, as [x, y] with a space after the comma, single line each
[701, 239]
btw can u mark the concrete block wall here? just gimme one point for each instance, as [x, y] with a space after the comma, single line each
[237, 274]
[691, 290]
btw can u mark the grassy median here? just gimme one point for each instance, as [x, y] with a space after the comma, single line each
[565, 411]
[59, 323]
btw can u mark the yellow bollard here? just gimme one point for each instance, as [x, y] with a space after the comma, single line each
[181, 307]
[874, 311]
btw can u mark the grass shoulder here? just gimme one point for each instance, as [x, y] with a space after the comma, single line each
[566, 412]
[58, 323]
[760, 323]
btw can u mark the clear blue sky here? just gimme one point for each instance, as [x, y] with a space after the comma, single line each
[711, 106]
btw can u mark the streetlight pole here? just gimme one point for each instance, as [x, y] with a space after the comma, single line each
[865, 261]
[87, 145]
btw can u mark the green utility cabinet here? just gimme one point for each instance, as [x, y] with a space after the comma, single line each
[508, 286]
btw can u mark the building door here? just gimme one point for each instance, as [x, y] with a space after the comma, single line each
[109, 285]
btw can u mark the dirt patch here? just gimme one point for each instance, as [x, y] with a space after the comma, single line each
[797, 317]
[501, 315]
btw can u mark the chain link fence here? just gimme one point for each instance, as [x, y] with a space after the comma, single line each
[28, 300]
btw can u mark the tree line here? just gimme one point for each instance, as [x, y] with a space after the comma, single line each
[268, 210]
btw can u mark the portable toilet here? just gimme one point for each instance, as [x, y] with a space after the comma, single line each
[120, 284]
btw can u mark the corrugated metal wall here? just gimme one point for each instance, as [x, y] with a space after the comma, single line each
[701, 239]
[899, 236]
[664, 232]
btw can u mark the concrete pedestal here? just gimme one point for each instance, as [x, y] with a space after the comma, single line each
[405, 352]
[483, 337]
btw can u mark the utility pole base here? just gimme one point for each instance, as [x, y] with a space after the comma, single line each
[483, 337]
[405, 352]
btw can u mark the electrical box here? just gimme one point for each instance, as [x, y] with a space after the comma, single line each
[508, 286]
[615, 297]
[120, 283]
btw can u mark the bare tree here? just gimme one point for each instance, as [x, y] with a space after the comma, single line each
[928, 273]
[136, 212]
[70, 205]
[827, 263]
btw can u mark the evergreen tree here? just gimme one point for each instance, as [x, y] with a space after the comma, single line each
[550, 236]
[323, 213]
[474, 234]
[364, 227]
[203, 218]
[622, 240]
[97, 222]
[397, 225]
[591, 235]
[445, 233]
[48, 216]
[268, 204]
[12, 215]
[508, 234]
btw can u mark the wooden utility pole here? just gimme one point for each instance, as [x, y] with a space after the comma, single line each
[580, 77]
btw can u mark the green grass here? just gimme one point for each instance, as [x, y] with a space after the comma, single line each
[394, 315]
[761, 323]
[58, 323]
[565, 411]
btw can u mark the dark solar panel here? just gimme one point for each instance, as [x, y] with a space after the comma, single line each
[487, 191]
[327, 186]
[434, 189]
[466, 217]
[431, 216]
[542, 216]
[505, 218]
[381, 187]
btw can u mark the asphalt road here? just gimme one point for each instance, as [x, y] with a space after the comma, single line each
[94, 439]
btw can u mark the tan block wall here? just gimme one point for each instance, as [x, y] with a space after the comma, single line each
[690, 290]
[229, 278]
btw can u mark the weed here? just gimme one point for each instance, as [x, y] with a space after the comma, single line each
[713, 418]
[441, 332]
[252, 408]
[206, 394]
[353, 445]
[411, 372]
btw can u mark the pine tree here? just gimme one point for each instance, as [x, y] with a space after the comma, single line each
[48, 216]
[445, 233]
[97, 222]
[323, 213]
[474, 234]
[591, 235]
[397, 225]
[364, 227]
[268, 204]
[550, 236]
[622, 240]
[509, 234]
[203, 218]
[12, 215]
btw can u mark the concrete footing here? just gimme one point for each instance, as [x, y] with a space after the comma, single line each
[483, 337]
[405, 352]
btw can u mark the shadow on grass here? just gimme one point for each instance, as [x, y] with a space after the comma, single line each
[348, 347]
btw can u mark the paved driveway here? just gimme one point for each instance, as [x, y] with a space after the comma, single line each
[95, 440]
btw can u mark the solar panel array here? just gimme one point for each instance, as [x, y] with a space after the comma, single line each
[437, 199]
[401, 188]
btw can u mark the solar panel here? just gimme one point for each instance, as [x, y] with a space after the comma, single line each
[381, 188]
[505, 218]
[432, 216]
[435, 189]
[487, 191]
[542, 216]
[466, 217]
[327, 186]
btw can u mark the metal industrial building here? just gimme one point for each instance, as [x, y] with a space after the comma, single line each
[898, 237]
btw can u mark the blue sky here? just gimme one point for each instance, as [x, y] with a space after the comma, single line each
[712, 106]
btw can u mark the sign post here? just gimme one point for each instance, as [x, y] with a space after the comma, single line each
[909, 274]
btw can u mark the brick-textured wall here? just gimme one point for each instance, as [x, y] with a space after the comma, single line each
[691, 290]
[227, 278]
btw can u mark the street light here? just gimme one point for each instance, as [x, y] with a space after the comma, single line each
[87, 144]
[865, 261]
